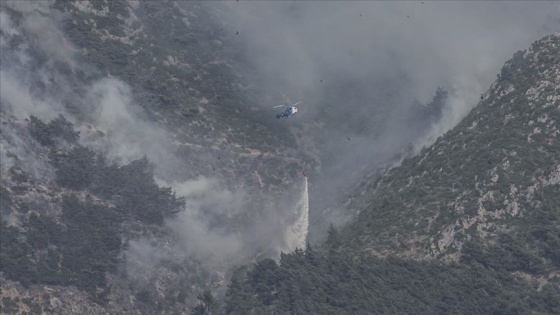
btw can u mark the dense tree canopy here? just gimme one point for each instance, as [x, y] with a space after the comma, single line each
[343, 283]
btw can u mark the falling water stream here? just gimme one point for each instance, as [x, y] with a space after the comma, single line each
[296, 235]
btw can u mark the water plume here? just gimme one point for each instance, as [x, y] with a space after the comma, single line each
[296, 234]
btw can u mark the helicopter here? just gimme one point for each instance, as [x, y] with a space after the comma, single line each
[291, 110]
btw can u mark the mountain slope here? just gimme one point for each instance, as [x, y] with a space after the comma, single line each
[105, 105]
[494, 174]
[468, 226]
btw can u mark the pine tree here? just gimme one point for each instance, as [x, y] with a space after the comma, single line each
[333, 238]
[207, 305]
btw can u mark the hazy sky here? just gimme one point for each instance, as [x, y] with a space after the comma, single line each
[435, 43]
[375, 56]
[460, 46]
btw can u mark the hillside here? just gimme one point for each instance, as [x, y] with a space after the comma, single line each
[468, 226]
[134, 168]
[141, 162]
[495, 175]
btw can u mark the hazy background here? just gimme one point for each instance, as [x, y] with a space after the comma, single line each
[364, 69]
[295, 45]
[357, 67]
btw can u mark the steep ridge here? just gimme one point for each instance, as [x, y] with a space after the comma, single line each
[493, 179]
[468, 226]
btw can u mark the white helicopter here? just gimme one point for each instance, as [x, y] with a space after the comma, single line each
[291, 110]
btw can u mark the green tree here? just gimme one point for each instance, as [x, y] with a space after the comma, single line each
[63, 129]
[6, 202]
[333, 238]
[76, 168]
[40, 131]
[15, 256]
[207, 305]
[59, 128]
[240, 298]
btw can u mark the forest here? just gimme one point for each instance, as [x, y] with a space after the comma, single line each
[83, 243]
[332, 280]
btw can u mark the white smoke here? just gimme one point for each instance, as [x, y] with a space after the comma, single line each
[14, 94]
[366, 61]
[17, 150]
[129, 136]
[207, 200]
[465, 94]
[108, 106]
[142, 258]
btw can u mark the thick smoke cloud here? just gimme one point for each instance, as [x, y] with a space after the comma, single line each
[364, 63]
[19, 69]
[38, 79]
[432, 44]
[208, 201]
[128, 136]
